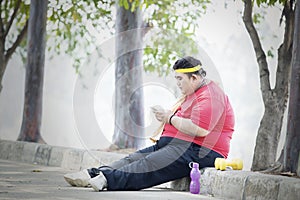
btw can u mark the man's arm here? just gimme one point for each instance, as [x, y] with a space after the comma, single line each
[182, 124]
[187, 126]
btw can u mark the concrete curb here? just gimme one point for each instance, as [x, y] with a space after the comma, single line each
[223, 184]
[67, 158]
[249, 185]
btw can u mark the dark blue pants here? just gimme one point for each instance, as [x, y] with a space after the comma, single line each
[165, 161]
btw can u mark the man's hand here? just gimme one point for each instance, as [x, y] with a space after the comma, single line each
[161, 114]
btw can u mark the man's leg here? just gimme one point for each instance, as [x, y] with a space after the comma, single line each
[81, 178]
[124, 161]
[166, 164]
[131, 157]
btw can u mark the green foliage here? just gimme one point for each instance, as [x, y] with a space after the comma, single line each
[257, 18]
[177, 21]
[269, 2]
[66, 26]
[14, 26]
[68, 32]
[270, 52]
[68, 23]
[131, 5]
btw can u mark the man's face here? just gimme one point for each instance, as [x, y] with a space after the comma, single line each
[184, 83]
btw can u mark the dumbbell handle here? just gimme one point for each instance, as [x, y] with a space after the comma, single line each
[221, 163]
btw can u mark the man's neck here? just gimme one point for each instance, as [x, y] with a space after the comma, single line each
[203, 82]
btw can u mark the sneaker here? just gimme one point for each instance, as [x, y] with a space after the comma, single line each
[99, 182]
[78, 179]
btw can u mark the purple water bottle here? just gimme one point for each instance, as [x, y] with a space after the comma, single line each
[195, 179]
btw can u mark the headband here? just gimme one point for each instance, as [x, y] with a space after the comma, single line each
[188, 70]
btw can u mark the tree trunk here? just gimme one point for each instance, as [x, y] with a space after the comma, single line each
[268, 133]
[3, 65]
[32, 112]
[275, 100]
[3, 61]
[292, 144]
[129, 115]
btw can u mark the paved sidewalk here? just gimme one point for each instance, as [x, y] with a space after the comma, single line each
[231, 184]
[28, 181]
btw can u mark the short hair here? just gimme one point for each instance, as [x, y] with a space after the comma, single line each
[189, 62]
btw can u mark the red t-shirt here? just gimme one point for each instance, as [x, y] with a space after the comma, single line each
[210, 109]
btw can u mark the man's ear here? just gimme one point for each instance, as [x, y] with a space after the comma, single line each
[195, 77]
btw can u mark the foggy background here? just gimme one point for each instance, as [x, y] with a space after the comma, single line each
[221, 35]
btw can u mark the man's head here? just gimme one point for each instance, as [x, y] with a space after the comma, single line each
[189, 74]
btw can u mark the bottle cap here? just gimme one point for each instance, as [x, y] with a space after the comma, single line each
[195, 165]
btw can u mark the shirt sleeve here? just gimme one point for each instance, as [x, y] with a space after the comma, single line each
[207, 112]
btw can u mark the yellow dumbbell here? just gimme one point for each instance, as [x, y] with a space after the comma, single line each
[235, 164]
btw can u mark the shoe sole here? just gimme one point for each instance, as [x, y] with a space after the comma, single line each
[77, 182]
[98, 183]
[95, 188]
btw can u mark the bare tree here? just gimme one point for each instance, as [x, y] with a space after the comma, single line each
[292, 144]
[275, 100]
[32, 112]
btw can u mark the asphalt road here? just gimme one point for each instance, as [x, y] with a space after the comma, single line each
[29, 181]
